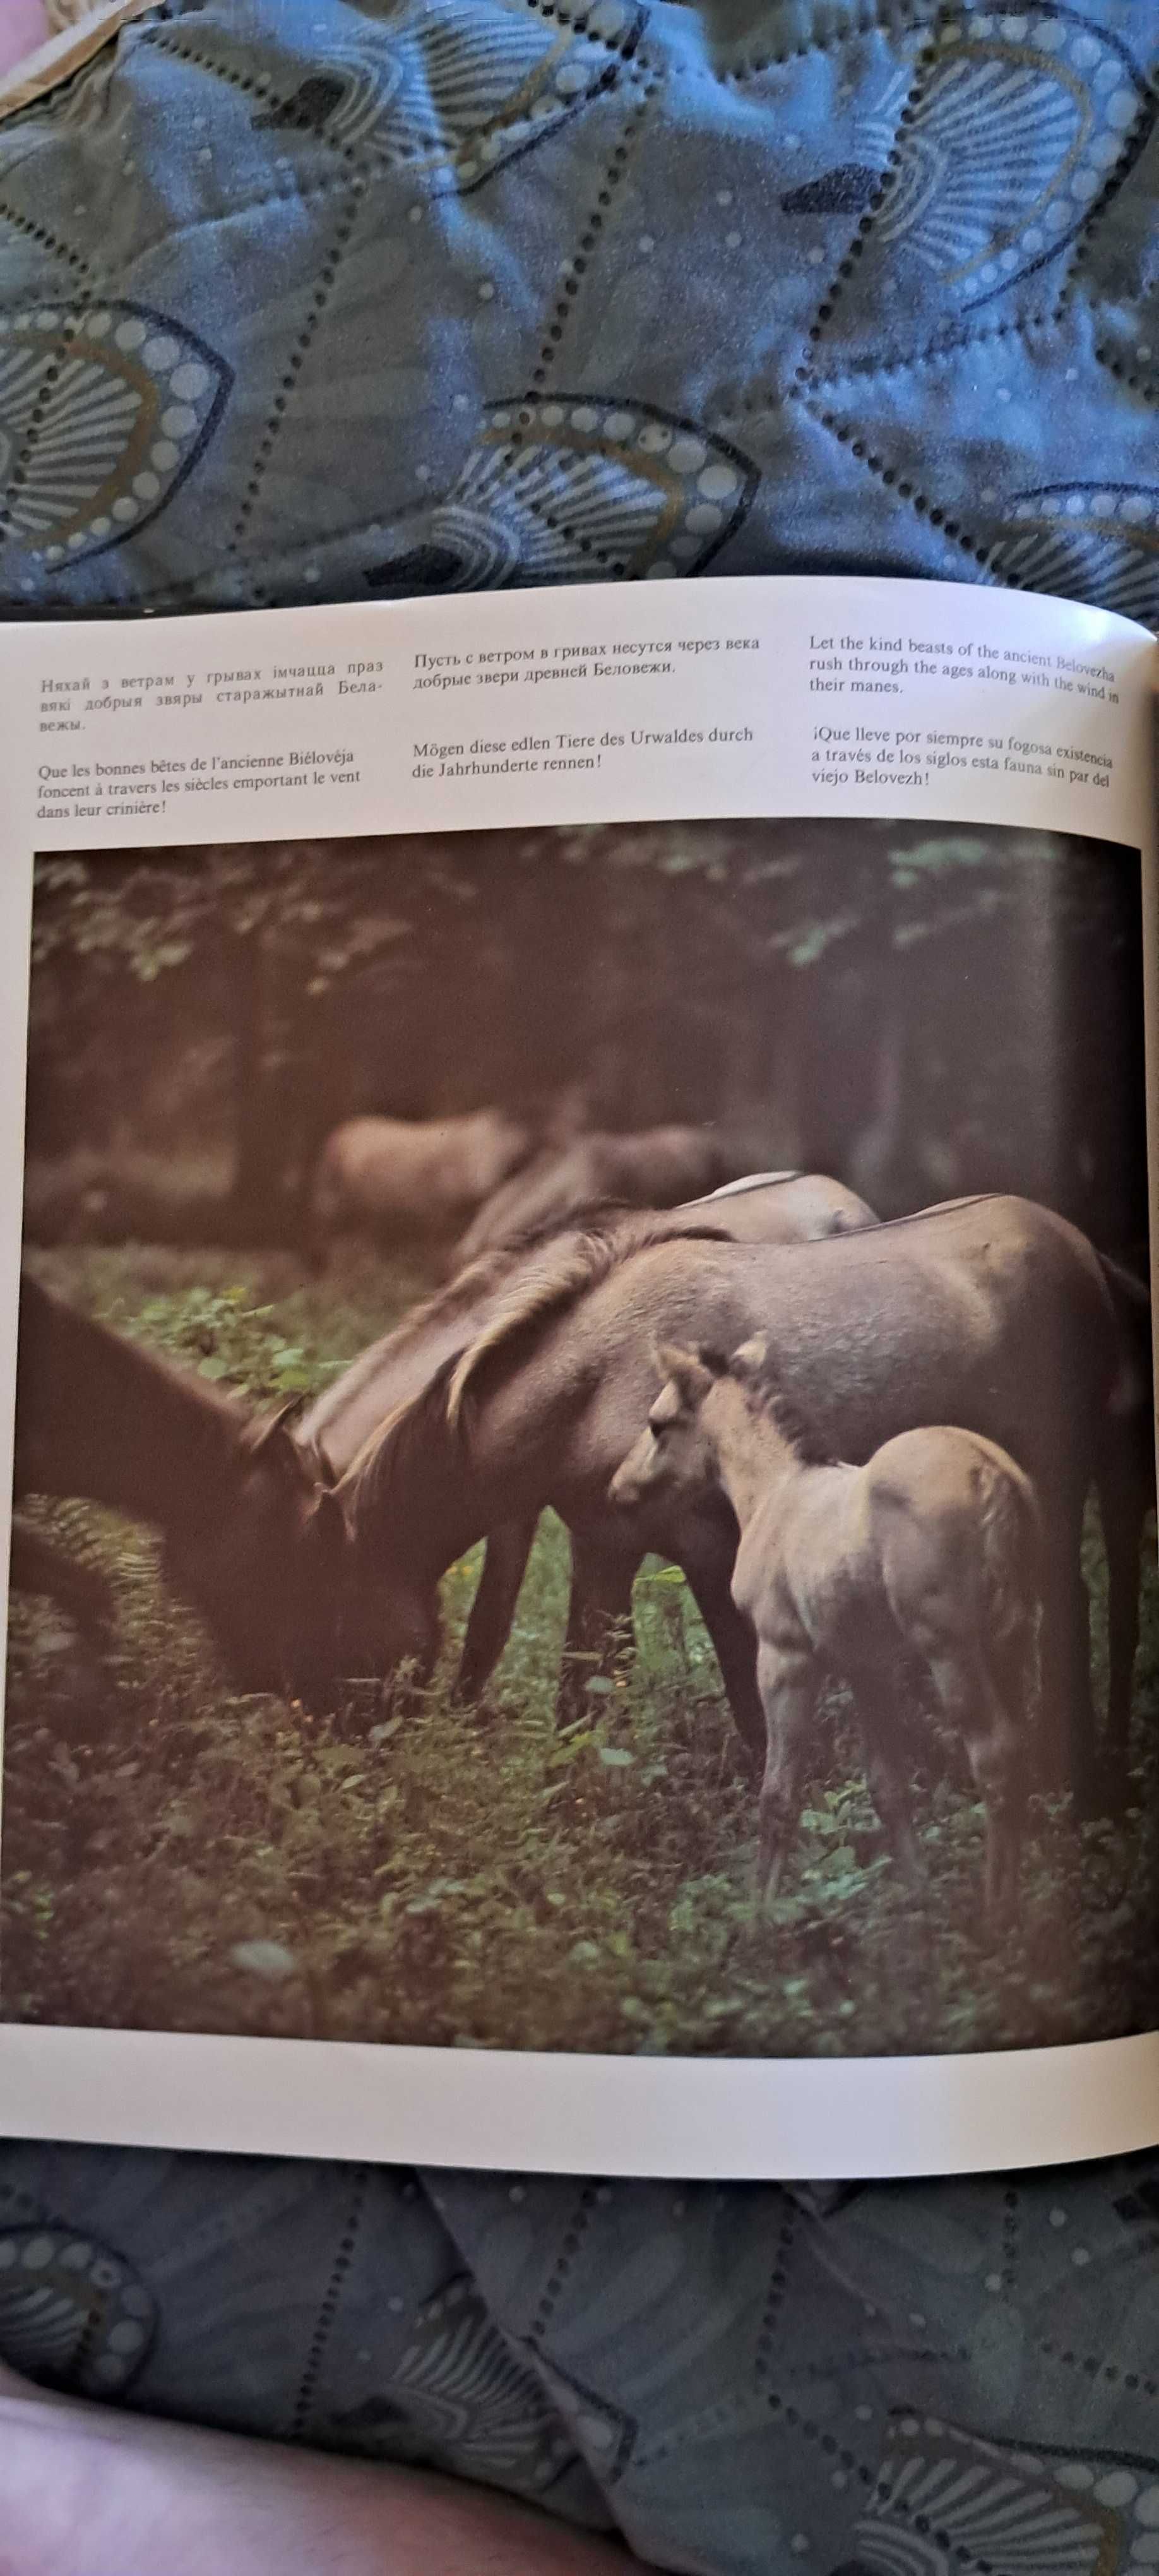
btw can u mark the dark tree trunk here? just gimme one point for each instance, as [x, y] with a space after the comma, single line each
[257, 1197]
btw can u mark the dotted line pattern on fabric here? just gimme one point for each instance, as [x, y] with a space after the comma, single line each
[891, 19]
[368, 155]
[82, 272]
[774, 2298]
[254, 85]
[847, 2465]
[580, 2221]
[1147, 386]
[47, 240]
[574, 270]
[861, 2356]
[1094, 2367]
[867, 222]
[1011, 2231]
[952, 346]
[589, 242]
[903, 484]
[261, 88]
[809, 380]
[329, 2308]
[318, 298]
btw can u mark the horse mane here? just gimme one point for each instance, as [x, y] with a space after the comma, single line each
[485, 1271]
[591, 1216]
[454, 1297]
[392, 1456]
[794, 1422]
[461, 1289]
[399, 1444]
[573, 1264]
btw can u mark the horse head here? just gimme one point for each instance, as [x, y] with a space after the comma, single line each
[672, 1449]
[267, 1573]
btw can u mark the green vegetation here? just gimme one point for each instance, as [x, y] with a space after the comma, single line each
[177, 1855]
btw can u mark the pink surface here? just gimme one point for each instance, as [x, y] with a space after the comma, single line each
[22, 29]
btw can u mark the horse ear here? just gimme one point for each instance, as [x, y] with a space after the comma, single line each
[279, 1421]
[687, 1372]
[271, 1440]
[668, 1358]
[751, 1361]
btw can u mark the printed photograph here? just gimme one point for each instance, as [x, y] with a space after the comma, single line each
[585, 1452]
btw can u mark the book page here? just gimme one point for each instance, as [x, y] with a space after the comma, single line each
[575, 1346]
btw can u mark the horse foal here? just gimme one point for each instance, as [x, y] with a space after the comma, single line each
[933, 1545]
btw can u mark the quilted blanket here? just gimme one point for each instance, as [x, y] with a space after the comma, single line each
[345, 298]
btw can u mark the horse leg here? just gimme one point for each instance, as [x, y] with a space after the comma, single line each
[599, 1619]
[1067, 1742]
[789, 1680]
[1125, 1495]
[493, 1608]
[884, 1771]
[987, 1699]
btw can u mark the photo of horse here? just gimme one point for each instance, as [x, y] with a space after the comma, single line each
[585, 1443]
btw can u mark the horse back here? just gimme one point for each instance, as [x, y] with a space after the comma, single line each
[993, 1314]
[786, 1207]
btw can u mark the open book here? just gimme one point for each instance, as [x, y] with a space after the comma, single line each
[575, 1309]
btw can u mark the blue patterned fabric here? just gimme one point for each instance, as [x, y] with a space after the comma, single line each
[325, 299]
[930, 2379]
[346, 298]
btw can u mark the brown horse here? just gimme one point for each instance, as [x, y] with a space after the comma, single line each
[990, 1312]
[392, 1178]
[778, 1207]
[932, 1547]
[660, 1167]
[234, 1495]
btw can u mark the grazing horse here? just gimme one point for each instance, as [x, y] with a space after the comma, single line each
[992, 1312]
[660, 1167]
[932, 1545]
[767, 1207]
[401, 1177]
[234, 1495]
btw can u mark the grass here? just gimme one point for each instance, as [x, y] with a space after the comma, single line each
[178, 1856]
